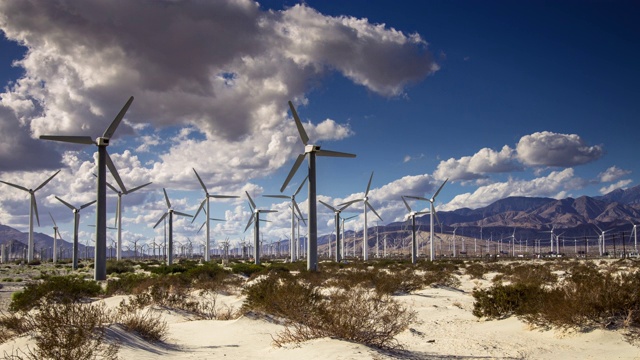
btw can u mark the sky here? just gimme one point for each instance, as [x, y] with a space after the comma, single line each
[503, 98]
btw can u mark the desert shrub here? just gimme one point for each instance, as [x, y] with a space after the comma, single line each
[119, 267]
[476, 270]
[54, 289]
[133, 319]
[166, 269]
[502, 301]
[208, 276]
[357, 315]
[128, 283]
[246, 269]
[11, 325]
[34, 262]
[69, 331]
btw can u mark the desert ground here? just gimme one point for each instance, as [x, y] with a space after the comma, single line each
[445, 329]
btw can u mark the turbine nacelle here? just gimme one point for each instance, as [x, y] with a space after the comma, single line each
[311, 148]
[102, 141]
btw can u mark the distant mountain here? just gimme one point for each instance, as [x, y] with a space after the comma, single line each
[630, 196]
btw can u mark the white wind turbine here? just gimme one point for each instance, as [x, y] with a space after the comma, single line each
[76, 225]
[432, 214]
[170, 213]
[312, 151]
[33, 209]
[365, 201]
[255, 219]
[56, 233]
[119, 213]
[339, 241]
[414, 241]
[294, 207]
[601, 238]
[634, 232]
[553, 227]
[104, 161]
[207, 213]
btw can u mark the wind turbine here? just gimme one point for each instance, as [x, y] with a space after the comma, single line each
[336, 212]
[553, 227]
[365, 200]
[121, 192]
[76, 225]
[294, 207]
[602, 247]
[255, 219]
[104, 161]
[432, 213]
[32, 209]
[56, 233]
[414, 241]
[635, 233]
[208, 196]
[312, 151]
[169, 213]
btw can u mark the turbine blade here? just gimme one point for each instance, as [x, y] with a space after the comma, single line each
[159, 221]
[201, 183]
[199, 209]
[115, 219]
[415, 197]
[372, 209]
[346, 204]
[303, 134]
[138, 188]
[114, 172]
[301, 184]
[267, 211]
[114, 124]
[436, 215]
[46, 181]
[66, 203]
[334, 154]
[166, 198]
[406, 204]
[86, 140]
[295, 205]
[422, 212]
[251, 219]
[214, 219]
[87, 204]
[295, 167]
[597, 227]
[253, 205]
[35, 207]
[277, 196]
[440, 188]
[16, 186]
[224, 196]
[368, 185]
[327, 205]
[182, 214]
[54, 222]
[201, 226]
[108, 185]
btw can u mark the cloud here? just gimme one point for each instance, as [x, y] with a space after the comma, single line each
[474, 167]
[612, 174]
[553, 149]
[618, 185]
[225, 67]
[554, 185]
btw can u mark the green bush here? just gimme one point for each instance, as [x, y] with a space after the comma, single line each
[246, 269]
[119, 267]
[55, 289]
[502, 301]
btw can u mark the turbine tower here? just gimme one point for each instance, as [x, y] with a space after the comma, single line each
[169, 213]
[119, 213]
[601, 245]
[634, 232]
[365, 200]
[104, 161]
[312, 151]
[255, 219]
[207, 209]
[76, 225]
[339, 240]
[432, 213]
[56, 233]
[294, 207]
[33, 209]
[414, 241]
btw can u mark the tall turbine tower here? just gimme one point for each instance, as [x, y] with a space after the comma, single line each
[169, 213]
[32, 210]
[56, 233]
[294, 207]
[104, 161]
[255, 219]
[365, 201]
[76, 225]
[208, 196]
[312, 151]
[432, 214]
[634, 232]
[414, 241]
[339, 240]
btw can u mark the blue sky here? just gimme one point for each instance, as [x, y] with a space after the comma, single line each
[505, 98]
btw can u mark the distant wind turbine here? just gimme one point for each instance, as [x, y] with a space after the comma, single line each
[255, 219]
[602, 245]
[312, 151]
[56, 233]
[634, 232]
[339, 241]
[432, 214]
[170, 213]
[414, 241]
[294, 207]
[76, 225]
[365, 201]
[32, 210]
[208, 196]
[104, 161]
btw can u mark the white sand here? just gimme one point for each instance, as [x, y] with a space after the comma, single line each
[446, 330]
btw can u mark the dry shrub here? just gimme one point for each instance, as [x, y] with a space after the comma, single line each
[143, 323]
[357, 315]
